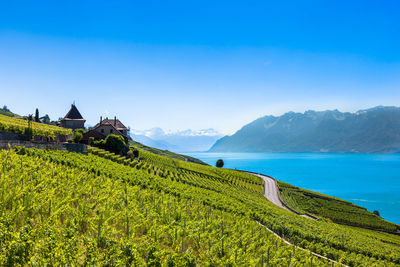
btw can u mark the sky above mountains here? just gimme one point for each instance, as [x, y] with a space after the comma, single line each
[197, 64]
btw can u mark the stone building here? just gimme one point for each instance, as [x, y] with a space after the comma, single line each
[73, 119]
[111, 126]
[106, 127]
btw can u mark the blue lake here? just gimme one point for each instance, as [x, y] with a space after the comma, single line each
[370, 181]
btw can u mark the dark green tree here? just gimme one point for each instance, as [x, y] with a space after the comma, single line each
[135, 152]
[28, 130]
[37, 115]
[219, 163]
[115, 143]
[376, 212]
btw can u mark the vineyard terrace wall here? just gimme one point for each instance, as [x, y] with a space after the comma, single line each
[78, 148]
[10, 136]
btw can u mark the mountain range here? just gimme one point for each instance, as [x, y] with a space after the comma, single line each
[180, 141]
[375, 130]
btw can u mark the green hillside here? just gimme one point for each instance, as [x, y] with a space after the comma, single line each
[165, 153]
[61, 208]
[6, 112]
[337, 210]
[21, 126]
[374, 130]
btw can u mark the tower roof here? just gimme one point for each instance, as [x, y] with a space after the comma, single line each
[73, 114]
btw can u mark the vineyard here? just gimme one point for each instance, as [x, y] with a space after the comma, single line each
[165, 153]
[337, 210]
[61, 208]
[20, 126]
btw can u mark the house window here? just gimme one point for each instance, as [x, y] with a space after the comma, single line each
[70, 124]
[102, 130]
[111, 130]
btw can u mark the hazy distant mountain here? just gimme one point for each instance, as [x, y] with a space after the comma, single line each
[375, 130]
[181, 141]
[145, 140]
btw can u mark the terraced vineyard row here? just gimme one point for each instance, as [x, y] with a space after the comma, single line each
[350, 245]
[337, 210]
[21, 126]
[67, 209]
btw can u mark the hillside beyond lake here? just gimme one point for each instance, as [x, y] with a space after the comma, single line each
[371, 181]
[374, 130]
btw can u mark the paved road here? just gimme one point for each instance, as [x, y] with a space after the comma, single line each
[271, 192]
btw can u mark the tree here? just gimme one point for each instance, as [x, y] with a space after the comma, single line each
[28, 131]
[376, 212]
[37, 115]
[46, 119]
[135, 153]
[219, 163]
[115, 143]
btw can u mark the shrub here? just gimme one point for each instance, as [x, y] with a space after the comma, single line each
[114, 143]
[219, 163]
[99, 143]
[133, 153]
[77, 137]
[80, 130]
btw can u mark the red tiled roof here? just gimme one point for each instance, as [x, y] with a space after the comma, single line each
[118, 124]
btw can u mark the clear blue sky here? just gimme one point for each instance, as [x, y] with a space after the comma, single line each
[197, 64]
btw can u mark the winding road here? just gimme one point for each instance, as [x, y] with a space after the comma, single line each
[271, 192]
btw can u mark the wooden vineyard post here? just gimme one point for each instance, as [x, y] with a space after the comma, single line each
[127, 227]
[99, 227]
[222, 246]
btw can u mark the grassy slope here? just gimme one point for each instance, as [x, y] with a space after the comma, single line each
[8, 113]
[165, 153]
[337, 210]
[73, 209]
[21, 126]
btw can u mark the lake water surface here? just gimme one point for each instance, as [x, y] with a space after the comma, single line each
[370, 181]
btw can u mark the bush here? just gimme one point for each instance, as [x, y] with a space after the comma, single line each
[133, 153]
[77, 137]
[219, 163]
[80, 130]
[114, 143]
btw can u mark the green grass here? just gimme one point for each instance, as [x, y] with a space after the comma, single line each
[66, 208]
[165, 153]
[337, 210]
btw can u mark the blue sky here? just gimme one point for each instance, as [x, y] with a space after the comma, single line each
[197, 64]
